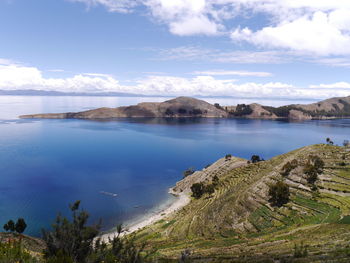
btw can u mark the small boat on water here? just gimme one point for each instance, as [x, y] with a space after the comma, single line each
[108, 193]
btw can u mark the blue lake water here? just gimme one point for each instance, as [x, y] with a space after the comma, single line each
[47, 164]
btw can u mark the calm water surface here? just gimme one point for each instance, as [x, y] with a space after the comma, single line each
[47, 164]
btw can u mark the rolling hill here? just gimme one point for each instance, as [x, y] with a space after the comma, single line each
[185, 107]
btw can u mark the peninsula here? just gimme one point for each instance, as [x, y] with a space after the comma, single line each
[186, 107]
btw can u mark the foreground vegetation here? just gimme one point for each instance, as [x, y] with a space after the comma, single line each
[69, 242]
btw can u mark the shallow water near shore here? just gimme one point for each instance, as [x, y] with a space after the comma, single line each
[47, 164]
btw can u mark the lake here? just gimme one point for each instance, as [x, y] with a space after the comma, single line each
[47, 164]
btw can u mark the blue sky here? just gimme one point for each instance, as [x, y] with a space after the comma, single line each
[241, 48]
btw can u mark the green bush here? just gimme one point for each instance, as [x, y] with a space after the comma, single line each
[188, 172]
[256, 159]
[228, 157]
[70, 239]
[199, 189]
[75, 242]
[313, 167]
[279, 193]
[242, 110]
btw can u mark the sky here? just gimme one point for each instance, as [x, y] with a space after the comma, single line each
[295, 49]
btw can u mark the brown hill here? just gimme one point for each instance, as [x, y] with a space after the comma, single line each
[179, 107]
[184, 107]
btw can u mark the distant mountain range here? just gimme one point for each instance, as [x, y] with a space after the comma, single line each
[33, 92]
[185, 107]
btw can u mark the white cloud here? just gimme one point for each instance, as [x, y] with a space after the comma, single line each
[18, 77]
[315, 26]
[185, 17]
[233, 73]
[122, 6]
[333, 61]
[338, 86]
[192, 53]
[317, 34]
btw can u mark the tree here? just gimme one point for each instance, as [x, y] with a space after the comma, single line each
[256, 159]
[197, 190]
[20, 226]
[6, 227]
[329, 141]
[228, 157]
[313, 167]
[279, 193]
[10, 226]
[188, 172]
[215, 180]
[71, 239]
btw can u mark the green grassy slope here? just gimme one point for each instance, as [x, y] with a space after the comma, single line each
[237, 221]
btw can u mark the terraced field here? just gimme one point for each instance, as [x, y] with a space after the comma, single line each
[237, 222]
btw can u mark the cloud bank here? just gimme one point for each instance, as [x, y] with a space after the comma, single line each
[20, 77]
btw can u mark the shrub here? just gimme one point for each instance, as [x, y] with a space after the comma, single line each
[71, 239]
[242, 110]
[346, 143]
[256, 159]
[313, 167]
[228, 157]
[215, 180]
[197, 190]
[75, 242]
[182, 111]
[188, 172]
[217, 105]
[288, 167]
[279, 193]
[329, 141]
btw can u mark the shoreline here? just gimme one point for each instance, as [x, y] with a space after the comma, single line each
[181, 200]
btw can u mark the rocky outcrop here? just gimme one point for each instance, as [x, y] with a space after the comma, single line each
[298, 115]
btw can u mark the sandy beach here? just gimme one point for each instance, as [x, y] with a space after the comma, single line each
[181, 200]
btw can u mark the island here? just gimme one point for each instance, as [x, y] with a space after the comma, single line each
[187, 107]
